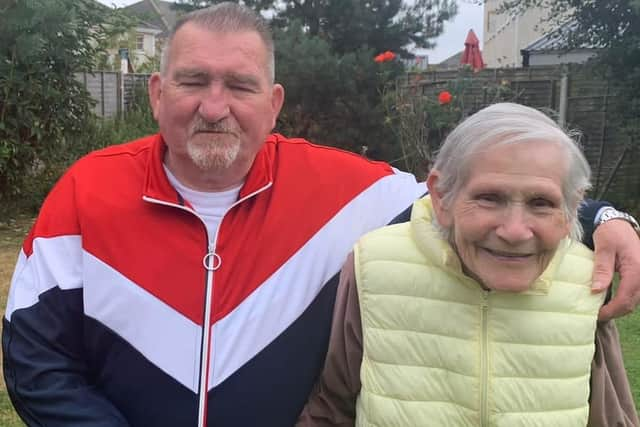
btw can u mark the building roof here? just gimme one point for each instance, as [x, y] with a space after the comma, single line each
[154, 13]
[557, 39]
[451, 62]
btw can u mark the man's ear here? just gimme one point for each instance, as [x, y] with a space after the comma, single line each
[443, 214]
[155, 90]
[277, 100]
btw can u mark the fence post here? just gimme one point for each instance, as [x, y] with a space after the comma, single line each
[564, 98]
[102, 93]
[119, 88]
[603, 136]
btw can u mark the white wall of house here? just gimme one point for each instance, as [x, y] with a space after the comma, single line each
[145, 45]
[506, 34]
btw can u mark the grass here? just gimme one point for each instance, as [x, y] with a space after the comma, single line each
[11, 235]
[13, 231]
[629, 328]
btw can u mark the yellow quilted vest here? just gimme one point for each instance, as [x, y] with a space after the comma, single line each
[441, 351]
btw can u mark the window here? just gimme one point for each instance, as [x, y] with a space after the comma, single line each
[140, 41]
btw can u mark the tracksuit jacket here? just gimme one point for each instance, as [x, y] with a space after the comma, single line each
[124, 312]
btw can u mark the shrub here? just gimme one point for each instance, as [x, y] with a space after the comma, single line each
[422, 118]
[96, 133]
[43, 108]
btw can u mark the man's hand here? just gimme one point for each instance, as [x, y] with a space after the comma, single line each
[617, 246]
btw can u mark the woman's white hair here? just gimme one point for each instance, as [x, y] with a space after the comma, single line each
[508, 123]
[226, 17]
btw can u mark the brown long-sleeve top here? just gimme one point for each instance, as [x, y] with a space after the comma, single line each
[333, 399]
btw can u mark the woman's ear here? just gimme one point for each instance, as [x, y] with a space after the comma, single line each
[443, 214]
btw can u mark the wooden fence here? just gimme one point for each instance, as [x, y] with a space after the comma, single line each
[114, 92]
[580, 101]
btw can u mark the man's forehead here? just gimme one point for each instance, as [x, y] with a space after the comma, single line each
[199, 43]
[192, 28]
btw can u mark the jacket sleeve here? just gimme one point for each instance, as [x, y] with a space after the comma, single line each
[45, 368]
[611, 402]
[587, 215]
[333, 399]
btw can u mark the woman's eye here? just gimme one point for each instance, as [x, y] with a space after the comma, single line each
[541, 202]
[488, 200]
[488, 197]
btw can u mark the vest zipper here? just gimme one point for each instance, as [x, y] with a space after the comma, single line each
[484, 362]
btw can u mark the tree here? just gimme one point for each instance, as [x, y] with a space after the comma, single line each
[333, 98]
[381, 25]
[348, 25]
[43, 43]
[324, 58]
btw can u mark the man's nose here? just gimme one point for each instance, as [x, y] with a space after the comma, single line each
[214, 105]
[514, 226]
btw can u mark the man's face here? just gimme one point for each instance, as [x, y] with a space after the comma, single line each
[215, 104]
[508, 219]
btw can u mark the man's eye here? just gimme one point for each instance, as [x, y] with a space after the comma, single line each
[191, 83]
[241, 88]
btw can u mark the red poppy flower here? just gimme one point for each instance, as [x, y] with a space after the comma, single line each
[385, 57]
[445, 97]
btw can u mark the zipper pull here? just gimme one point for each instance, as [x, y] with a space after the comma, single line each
[212, 261]
[485, 298]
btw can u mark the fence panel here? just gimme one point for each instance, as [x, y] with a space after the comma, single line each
[134, 84]
[587, 102]
[113, 92]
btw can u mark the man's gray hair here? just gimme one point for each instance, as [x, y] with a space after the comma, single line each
[226, 17]
[508, 123]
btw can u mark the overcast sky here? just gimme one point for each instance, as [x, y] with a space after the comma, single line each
[450, 42]
[455, 32]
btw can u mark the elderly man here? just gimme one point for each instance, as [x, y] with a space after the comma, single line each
[188, 278]
[479, 311]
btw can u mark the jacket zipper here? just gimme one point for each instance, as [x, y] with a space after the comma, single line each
[484, 362]
[211, 262]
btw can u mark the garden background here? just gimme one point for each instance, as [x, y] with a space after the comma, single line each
[342, 90]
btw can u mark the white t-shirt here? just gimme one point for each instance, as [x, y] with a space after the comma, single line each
[209, 205]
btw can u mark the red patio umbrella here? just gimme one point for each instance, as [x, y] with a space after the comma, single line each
[472, 54]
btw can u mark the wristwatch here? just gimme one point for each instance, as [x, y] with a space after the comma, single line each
[610, 213]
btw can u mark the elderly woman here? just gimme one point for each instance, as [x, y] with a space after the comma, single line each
[479, 311]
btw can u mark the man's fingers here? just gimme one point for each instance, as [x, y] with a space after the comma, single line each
[617, 244]
[603, 268]
[622, 303]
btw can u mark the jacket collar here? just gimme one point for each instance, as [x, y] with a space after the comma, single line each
[157, 186]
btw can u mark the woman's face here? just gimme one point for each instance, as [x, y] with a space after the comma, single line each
[508, 218]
